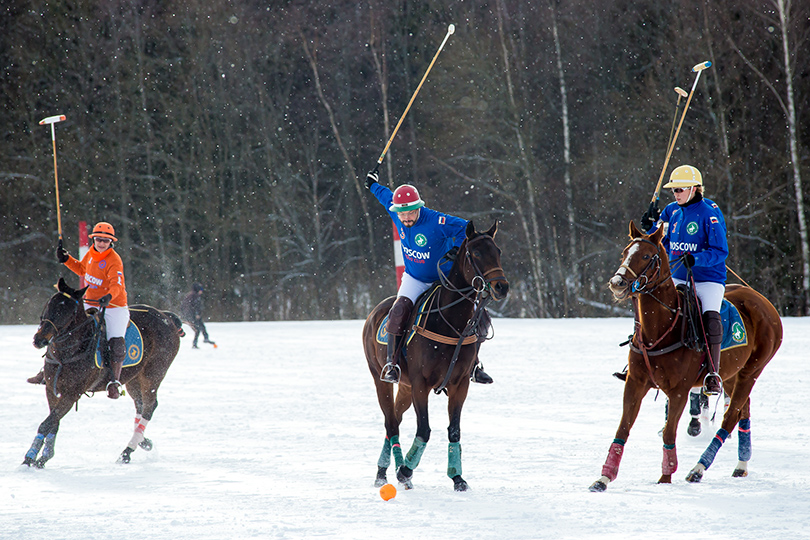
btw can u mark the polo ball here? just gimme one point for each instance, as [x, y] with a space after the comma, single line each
[388, 492]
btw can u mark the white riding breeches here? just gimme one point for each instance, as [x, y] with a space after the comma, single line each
[411, 287]
[116, 320]
[709, 292]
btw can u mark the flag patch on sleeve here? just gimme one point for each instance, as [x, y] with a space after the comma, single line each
[441, 220]
[714, 220]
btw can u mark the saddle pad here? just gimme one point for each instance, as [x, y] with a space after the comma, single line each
[734, 334]
[134, 346]
[382, 331]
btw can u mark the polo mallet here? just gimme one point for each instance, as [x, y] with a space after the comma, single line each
[697, 69]
[681, 94]
[53, 120]
[450, 29]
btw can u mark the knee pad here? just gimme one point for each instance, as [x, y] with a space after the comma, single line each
[714, 327]
[398, 316]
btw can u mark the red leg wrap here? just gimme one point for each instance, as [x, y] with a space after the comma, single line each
[670, 464]
[611, 467]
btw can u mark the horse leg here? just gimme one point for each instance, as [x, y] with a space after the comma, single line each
[143, 413]
[414, 455]
[385, 397]
[454, 404]
[45, 439]
[634, 392]
[677, 403]
[742, 387]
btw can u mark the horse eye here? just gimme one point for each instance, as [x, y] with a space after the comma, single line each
[646, 256]
[476, 254]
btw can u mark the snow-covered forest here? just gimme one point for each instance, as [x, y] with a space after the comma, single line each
[228, 142]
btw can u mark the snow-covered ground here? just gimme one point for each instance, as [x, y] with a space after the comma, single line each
[276, 434]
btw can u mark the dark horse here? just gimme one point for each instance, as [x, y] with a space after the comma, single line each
[71, 336]
[475, 278]
[658, 359]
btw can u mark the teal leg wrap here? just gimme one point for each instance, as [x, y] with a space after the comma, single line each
[385, 455]
[453, 459]
[397, 450]
[415, 453]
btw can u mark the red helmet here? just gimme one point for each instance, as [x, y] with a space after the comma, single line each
[406, 198]
[103, 230]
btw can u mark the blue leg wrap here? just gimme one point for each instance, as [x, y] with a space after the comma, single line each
[48, 450]
[711, 452]
[453, 459]
[33, 452]
[744, 443]
[415, 453]
[385, 455]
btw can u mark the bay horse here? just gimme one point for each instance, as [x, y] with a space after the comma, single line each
[658, 358]
[441, 362]
[71, 335]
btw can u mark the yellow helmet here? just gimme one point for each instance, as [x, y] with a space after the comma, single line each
[684, 176]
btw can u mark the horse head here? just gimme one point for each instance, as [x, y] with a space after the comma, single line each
[480, 262]
[642, 263]
[59, 313]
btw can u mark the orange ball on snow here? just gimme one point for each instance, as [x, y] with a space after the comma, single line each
[388, 492]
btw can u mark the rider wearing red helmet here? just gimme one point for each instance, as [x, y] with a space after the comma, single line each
[425, 236]
[103, 271]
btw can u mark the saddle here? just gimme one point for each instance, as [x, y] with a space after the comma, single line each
[418, 319]
[133, 341]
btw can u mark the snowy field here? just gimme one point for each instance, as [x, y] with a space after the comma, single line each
[276, 434]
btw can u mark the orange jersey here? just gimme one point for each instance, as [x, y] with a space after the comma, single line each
[104, 273]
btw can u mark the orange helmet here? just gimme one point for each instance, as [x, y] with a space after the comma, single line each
[103, 230]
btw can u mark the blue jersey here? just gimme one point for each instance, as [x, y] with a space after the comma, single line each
[700, 229]
[426, 242]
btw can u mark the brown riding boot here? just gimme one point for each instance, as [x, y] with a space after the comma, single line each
[118, 351]
[397, 319]
[712, 383]
[39, 378]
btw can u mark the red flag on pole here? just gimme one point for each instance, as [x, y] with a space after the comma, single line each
[84, 245]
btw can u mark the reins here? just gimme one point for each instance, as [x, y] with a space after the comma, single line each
[477, 293]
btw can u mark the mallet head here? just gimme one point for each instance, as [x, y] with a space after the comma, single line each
[451, 29]
[702, 66]
[53, 119]
[681, 91]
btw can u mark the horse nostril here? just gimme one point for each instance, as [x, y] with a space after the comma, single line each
[502, 288]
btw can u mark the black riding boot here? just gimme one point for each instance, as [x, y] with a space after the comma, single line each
[478, 374]
[118, 354]
[397, 319]
[713, 384]
[39, 378]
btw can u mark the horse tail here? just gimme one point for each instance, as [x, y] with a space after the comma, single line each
[177, 322]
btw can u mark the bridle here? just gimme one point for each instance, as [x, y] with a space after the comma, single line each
[56, 330]
[644, 283]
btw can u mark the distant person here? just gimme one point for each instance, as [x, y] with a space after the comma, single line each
[191, 309]
[102, 269]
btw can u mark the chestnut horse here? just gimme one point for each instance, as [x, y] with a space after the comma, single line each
[645, 275]
[439, 362]
[71, 335]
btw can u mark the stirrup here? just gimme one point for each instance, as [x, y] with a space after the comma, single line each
[480, 376]
[710, 389]
[390, 373]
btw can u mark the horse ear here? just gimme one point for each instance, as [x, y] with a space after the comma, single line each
[634, 232]
[62, 285]
[657, 235]
[494, 229]
[80, 293]
[470, 229]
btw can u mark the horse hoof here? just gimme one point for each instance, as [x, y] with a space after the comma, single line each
[125, 456]
[694, 476]
[27, 462]
[404, 475]
[459, 484]
[739, 473]
[146, 444]
[693, 430]
[665, 479]
[598, 487]
[39, 464]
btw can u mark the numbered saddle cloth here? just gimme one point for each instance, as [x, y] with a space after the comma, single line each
[134, 346]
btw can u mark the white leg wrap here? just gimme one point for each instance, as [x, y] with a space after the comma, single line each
[137, 436]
